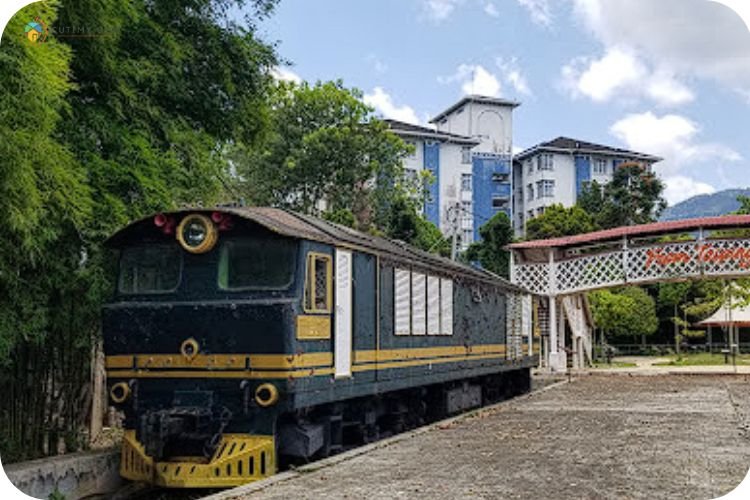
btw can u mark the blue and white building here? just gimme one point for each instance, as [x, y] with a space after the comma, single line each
[469, 154]
[556, 171]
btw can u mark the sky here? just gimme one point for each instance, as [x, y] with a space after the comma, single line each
[664, 77]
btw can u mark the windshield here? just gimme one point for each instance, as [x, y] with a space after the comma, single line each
[150, 269]
[257, 263]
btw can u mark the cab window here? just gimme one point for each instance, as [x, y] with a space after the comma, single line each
[257, 263]
[150, 269]
[318, 292]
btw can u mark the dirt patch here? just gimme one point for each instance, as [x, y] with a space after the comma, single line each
[599, 437]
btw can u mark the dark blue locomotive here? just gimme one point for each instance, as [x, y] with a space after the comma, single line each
[241, 339]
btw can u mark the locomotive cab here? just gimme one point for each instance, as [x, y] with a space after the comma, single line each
[198, 340]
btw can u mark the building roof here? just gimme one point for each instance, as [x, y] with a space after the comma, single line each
[568, 145]
[477, 99]
[296, 225]
[411, 130]
[727, 315]
[657, 228]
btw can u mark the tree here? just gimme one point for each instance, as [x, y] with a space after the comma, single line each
[324, 146]
[94, 133]
[629, 312]
[634, 196]
[744, 205]
[406, 224]
[557, 221]
[490, 252]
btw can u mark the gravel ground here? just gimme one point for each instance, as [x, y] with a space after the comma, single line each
[682, 437]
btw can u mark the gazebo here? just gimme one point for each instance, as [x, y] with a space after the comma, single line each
[729, 319]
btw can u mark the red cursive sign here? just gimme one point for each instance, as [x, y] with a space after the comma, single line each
[708, 254]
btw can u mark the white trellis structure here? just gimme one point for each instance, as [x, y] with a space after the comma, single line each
[715, 247]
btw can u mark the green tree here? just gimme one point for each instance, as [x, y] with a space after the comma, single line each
[744, 205]
[490, 252]
[44, 206]
[626, 313]
[557, 221]
[159, 97]
[634, 196]
[324, 145]
[406, 224]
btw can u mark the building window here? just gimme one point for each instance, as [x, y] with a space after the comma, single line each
[530, 166]
[500, 178]
[465, 182]
[540, 211]
[467, 237]
[530, 215]
[499, 203]
[466, 154]
[411, 175]
[530, 192]
[600, 166]
[545, 162]
[545, 189]
[413, 154]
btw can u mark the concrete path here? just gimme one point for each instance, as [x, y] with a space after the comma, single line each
[646, 365]
[598, 437]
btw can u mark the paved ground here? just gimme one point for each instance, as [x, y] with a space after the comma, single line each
[598, 437]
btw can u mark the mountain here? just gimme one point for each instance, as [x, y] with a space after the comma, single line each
[706, 205]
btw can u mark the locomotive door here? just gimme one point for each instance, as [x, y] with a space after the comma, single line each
[343, 323]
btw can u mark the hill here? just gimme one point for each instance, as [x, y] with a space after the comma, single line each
[706, 205]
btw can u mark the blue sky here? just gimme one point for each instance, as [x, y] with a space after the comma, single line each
[667, 77]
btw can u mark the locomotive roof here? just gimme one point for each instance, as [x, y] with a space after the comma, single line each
[297, 225]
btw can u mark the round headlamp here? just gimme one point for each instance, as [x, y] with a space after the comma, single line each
[119, 392]
[197, 233]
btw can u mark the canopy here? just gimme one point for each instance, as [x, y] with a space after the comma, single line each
[726, 316]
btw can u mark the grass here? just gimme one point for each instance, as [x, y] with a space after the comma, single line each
[615, 364]
[703, 359]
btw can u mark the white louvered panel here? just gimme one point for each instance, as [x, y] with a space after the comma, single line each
[446, 306]
[433, 305]
[402, 302]
[343, 330]
[418, 304]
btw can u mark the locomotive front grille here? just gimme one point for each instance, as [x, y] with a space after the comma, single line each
[239, 459]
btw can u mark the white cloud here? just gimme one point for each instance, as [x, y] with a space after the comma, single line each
[676, 139]
[513, 76]
[680, 187]
[540, 11]
[439, 10]
[491, 10]
[620, 73]
[377, 64]
[383, 104]
[684, 38]
[285, 74]
[474, 79]
[673, 137]
[666, 90]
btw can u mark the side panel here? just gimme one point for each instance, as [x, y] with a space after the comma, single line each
[432, 198]
[343, 331]
[583, 172]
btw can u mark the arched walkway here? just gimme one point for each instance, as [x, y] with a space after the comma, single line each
[561, 268]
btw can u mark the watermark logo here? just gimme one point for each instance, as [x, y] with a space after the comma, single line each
[36, 31]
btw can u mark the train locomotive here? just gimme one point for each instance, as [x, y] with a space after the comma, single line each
[242, 339]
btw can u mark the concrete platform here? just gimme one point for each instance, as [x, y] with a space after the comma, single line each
[598, 437]
[76, 475]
